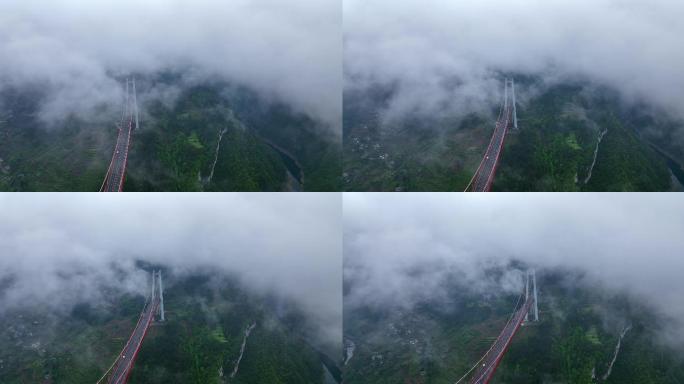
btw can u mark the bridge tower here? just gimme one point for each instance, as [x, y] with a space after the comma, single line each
[135, 105]
[509, 101]
[130, 105]
[534, 283]
[505, 106]
[515, 113]
[154, 276]
[126, 102]
[158, 288]
[531, 279]
[161, 298]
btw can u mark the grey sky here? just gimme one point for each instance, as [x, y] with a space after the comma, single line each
[288, 50]
[629, 243]
[632, 45]
[286, 244]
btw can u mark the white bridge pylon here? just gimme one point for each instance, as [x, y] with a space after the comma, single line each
[531, 282]
[515, 112]
[483, 370]
[130, 104]
[510, 84]
[507, 121]
[158, 288]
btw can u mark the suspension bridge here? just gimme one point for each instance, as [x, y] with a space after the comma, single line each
[120, 370]
[116, 173]
[483, 371]
[484, 175]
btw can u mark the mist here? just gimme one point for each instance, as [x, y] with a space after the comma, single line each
[59, 250]
[449, 57]
[78, 51]
[401, 249]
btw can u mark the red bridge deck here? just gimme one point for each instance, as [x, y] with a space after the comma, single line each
[124, 363]
[484, 176]
[117, 167]
[492, 358]
[116, 173]
[122, 367]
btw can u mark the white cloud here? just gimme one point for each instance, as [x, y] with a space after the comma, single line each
[289, 245]
[287, 50]
[631, 45]
[625, 242]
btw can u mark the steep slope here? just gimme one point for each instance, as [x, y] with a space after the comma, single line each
[264, 146]
[555, 150]
[207, 316]
[437, 341]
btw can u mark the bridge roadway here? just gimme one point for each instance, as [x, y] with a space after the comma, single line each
[117, 168]
[484, 176]
[124, 365]
[491, 360]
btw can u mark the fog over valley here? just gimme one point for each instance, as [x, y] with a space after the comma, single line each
[445, 57]
[406, 249]
[58, 251]
[79, 51]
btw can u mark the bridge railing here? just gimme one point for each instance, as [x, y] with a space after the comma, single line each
[494, 355]
[106, 377]
[502, 123]
[128, 116]
[506, 122]
[129, 363]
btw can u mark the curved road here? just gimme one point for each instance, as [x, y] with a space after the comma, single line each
[491, 360]
[124, 363]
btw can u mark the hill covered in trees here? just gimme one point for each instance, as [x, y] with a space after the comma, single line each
[573, 137]
[207, 319]
[575, 341]
[208, 138]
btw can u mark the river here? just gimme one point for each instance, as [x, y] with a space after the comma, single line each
[328, 377]
[295, 174]
[676, 170]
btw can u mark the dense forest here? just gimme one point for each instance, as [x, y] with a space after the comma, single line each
[560, 129]
[555, 149]
[574, 342]
[206, 319]
[211, 138]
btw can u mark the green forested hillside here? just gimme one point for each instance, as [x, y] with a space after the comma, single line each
[437, 342]
[553, 150]
[263, 147]
[199, 343]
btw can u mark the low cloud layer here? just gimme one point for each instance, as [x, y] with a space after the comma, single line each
[58, 249]
[449, 55]
[403, 248]
[289, 51]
